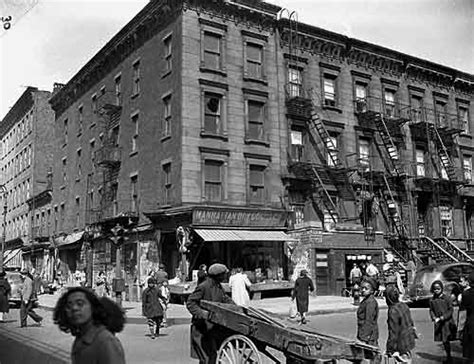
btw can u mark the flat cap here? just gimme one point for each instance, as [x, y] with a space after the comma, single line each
[217, 269]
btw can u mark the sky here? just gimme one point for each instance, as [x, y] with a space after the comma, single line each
[50, 40]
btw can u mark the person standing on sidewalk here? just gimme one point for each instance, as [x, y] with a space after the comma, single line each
[101, 288]
[201, 274]
[93, 322]
[27, 300]
[303, 285]
[161, 275]
[205, 337]
[151, 307]
[368, 313]
[164, 300]
[467, 303]
[239, 285]
[5, 290]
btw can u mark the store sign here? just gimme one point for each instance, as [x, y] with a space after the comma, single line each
[239, 218]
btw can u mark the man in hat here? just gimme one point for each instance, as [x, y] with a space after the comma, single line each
[467, 303]
[205, 337]
[27, 300]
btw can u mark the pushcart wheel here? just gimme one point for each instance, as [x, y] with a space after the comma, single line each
[237, 349]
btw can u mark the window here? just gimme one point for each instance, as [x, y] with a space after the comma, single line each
[329, 87]
[257, 184]
[467, 168]
[167, 115]
[295, 82]
[440, 109]
[64, 171]
[416, 108]
[135, 134]
[134, 192]
[212, 113]
[78, 211]
[420, 162]
[118, 90]
[168, 52]
[90, 197]
[446, 216]
[364, 154]
[167, 184]
[254, 60]
[256, 117]
[136, 79]
[62, 216]
[361, 96]
[80, 119]
[463, 114]
[212, 51]
[332, 156]
[296, 151]
[92, 151]
[65, 127]
[94, 103]
[389, 100]
[213, 180]
[78, 164]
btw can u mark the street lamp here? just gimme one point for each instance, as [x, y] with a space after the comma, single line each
[4, 232]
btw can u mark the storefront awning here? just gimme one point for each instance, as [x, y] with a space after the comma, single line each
[242, 235]
[63, 241]
[12, 258]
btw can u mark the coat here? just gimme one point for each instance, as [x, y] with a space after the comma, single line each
[401, 330]
[303, 285]
[239, 285]
[205, 338]
[367, 321]
[467, 303]
[5, 290]
[151, 305]
[441, 306]
[97, 346]
[27, 289]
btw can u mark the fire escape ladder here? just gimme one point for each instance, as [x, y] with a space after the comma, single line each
[393, 211]
[324, 196]
[450, 247]
[315, 124]
[435, 250]
[388, 143]
[443, 154]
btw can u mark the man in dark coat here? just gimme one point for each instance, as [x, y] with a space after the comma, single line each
[5, 290]
[303, 285]
[205, 337]
[467, 303]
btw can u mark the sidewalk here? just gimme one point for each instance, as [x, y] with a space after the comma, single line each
[279, 306]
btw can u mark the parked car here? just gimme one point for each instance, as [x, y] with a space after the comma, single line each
[449, 274]
[15, 280]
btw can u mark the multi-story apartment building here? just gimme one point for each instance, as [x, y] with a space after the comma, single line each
[202, 124]
[26, 156]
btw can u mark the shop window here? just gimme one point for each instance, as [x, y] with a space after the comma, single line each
[254, 60]
[296, 151]
[329, 89]
[256, 119]
[420, 162]
[467, 168]
[295, 82]
[213, 178]
[212, 113]
[257, 184]
[446, 216]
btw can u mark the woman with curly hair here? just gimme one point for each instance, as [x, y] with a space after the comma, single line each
[93, 322]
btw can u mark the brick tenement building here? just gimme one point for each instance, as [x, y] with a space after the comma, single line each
[190, 130]
[26, 156]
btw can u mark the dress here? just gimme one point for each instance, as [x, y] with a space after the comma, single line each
[205, 337]
[367, 317]
[441, 306]
[467, 303]
[5, 290]
[303, 285]
[239, 283]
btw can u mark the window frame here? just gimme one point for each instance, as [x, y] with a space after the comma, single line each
[135, 118]
[333, 140]
[222, 95]
[168, 53]
[263, 122]
[291, 84]
[327, 102]
[263, 168]
[118, 89]
[134, 189]
[420, 165]
[207, 180]
[136, 78]
[464, 123]
[364, 160]
[417, 114]
[257, 43]
[167, 115]
[166, 168]
[467, 168]
[297, 149]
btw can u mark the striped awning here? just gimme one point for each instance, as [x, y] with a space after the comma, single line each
[242, 235]
[12, 258]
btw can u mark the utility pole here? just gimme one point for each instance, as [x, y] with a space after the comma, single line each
[4, 232]
[118, 283]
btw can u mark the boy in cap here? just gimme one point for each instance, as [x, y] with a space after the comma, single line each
[205, 337]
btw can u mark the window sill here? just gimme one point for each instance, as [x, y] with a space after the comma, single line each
[166, 73]
[205, 69]
[205, 134]
[165, 138]
[255, 79]
[135, 152]
[332, 108]
[257, 141]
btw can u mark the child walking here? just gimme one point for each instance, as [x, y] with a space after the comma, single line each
[368, 313]
[164, 300]
[151, 307]
[441, 312]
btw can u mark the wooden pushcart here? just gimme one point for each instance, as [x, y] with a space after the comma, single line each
[251, 333]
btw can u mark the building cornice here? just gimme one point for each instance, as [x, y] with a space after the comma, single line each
[18, 110]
